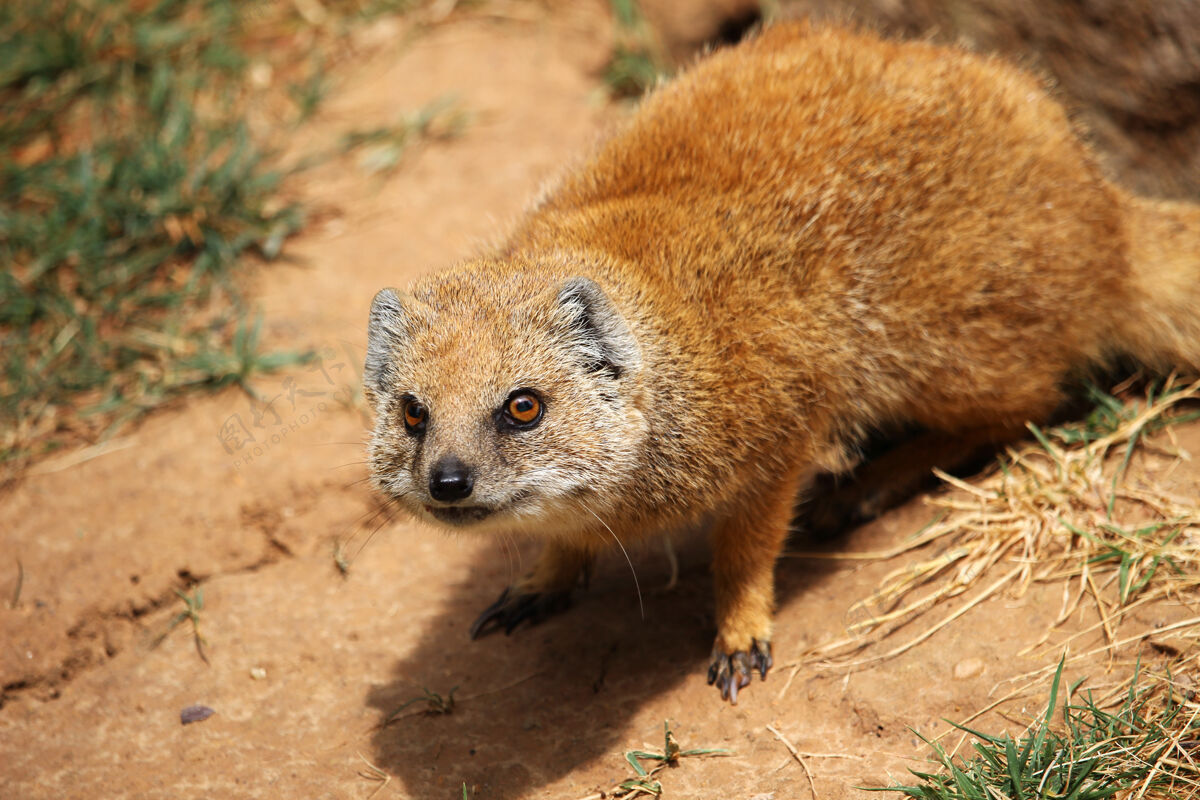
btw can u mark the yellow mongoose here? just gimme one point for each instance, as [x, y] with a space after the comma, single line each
[804, 237]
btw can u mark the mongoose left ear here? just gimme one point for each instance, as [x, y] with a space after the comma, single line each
[388, 328]
[596, 328]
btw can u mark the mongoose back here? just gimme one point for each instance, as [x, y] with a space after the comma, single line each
[805, 237]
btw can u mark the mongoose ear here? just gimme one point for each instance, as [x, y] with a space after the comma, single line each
[597, 329]
[388, 328]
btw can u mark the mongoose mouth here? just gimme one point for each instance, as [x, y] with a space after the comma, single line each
[459, 515]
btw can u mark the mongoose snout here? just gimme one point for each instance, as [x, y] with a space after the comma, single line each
[450, 480]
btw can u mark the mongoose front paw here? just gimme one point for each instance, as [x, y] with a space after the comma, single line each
[511, 609]
[731, 671]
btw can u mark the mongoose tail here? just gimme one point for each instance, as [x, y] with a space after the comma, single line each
[1162, 328]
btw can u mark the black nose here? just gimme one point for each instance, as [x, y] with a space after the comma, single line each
[451, 480]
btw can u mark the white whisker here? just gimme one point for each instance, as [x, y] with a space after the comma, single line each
[628, 560]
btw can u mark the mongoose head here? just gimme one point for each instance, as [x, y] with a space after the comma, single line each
[503, 400]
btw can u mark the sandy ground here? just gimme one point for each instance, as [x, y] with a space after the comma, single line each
[305, 665]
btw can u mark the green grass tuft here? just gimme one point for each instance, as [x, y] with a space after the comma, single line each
[637, 63]
[644, 782]
[1144, 748]
[1109, 413]
[193, 605]
[381, 149]
[130, 192]
[435, 704]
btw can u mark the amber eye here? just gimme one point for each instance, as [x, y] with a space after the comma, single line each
[415, 415]
[523, 409]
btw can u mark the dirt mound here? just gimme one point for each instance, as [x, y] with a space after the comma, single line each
[1132, 69]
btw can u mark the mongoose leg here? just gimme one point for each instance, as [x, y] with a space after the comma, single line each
[543, 592]
[839, 503]
[745, 547]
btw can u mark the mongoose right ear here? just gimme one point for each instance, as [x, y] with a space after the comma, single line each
[387, 329]
[597, 329]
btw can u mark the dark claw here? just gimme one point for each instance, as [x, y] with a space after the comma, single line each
[510, 610]
[491, 614]
[731, 672]
[760, 656]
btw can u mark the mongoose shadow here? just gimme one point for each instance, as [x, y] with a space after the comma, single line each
[532, 706]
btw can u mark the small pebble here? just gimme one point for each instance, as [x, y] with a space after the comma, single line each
[260, 74]
[195, 714]
[968, 668]
[258, 673]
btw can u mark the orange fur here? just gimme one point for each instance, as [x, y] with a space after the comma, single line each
[802, 238]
